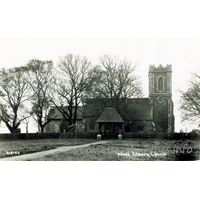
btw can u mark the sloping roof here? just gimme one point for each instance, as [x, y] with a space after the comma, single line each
[55, 114]
[109, 115]
[94, 107]
[139, 109]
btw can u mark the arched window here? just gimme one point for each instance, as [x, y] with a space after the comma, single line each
[160, 84]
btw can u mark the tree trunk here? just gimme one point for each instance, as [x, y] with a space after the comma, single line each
[26, 127]
[42, 129]
[12, 129]
[76, 107]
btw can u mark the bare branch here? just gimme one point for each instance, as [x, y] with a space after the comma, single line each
[190, 100]
[14, 92]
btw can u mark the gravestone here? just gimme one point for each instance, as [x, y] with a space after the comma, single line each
[120, 137]
[98, 136]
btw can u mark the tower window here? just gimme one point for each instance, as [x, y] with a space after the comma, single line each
[160, 84]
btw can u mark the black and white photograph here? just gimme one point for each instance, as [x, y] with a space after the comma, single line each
[89, 88]
[100, 99]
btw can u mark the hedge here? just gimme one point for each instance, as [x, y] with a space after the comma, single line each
[31, 136]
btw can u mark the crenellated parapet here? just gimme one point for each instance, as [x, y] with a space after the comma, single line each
[160, 68]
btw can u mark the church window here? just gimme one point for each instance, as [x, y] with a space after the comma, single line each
[160, 84]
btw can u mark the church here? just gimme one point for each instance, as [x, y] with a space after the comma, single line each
[135, 115]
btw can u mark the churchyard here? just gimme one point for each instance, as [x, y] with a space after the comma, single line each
[19, 147]
[132, 149]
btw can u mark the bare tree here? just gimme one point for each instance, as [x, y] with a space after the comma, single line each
[71, 85]
[14, 92]
[190, 100]
[28, 114]
[115, 81]
[41, 81]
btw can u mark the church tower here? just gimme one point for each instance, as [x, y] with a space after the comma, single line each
[160, 95]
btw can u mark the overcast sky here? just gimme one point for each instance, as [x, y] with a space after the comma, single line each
[183, 54]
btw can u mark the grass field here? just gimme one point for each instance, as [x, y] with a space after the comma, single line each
[122, 150]
[19, 147]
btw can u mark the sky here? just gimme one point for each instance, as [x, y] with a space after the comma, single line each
[182, 54]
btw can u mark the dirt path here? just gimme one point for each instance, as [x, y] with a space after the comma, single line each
[26, 157]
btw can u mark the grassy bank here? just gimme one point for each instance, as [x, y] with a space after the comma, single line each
[126, 150]
[19, 147]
